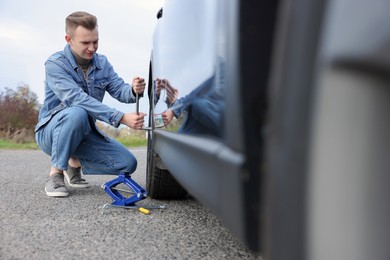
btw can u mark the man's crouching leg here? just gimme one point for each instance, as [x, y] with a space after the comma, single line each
[60, 138]
[101, 155]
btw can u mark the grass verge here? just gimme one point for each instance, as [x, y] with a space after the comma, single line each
[8, 145]
[130, 141]
[133, 141]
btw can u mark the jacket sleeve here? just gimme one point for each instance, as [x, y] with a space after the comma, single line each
[117, 87]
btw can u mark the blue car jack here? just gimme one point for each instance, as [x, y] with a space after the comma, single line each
[138, 192]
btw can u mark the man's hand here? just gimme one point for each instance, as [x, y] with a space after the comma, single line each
[133, 120]
[167, 116]
[172, 93]
[138, 85]
[159, 86]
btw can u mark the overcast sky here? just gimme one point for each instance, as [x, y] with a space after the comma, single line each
[30, 31]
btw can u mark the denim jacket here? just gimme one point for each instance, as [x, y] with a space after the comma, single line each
[65, 86]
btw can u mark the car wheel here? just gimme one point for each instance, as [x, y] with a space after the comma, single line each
[160, 183]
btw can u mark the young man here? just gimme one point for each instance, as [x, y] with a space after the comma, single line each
[76, 81]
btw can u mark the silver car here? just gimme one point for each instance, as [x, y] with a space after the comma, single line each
[275, 115]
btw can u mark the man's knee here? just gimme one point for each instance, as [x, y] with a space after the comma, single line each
[78, 115]
[77, 119]
[127, 162]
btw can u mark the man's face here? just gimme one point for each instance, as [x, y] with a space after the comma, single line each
[84, 42]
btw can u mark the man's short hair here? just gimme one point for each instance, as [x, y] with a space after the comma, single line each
[79, 18]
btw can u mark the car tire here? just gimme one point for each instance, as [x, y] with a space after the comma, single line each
[162, 185]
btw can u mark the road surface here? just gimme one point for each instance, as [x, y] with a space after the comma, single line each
[35, 226]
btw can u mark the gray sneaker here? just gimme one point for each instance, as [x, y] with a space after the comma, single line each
[73, 177]
[55, 186]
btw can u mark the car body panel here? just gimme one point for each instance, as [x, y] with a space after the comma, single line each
[190, 40]
[212, 168]
[300, 170]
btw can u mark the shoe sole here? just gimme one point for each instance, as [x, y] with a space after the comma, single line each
[56, 193]
[80, 186]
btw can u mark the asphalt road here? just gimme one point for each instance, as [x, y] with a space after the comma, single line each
[35, 226]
